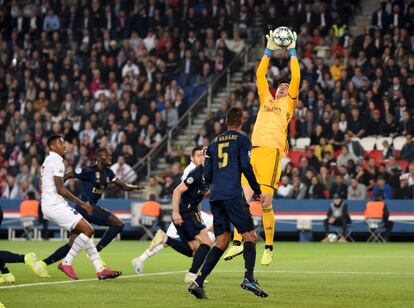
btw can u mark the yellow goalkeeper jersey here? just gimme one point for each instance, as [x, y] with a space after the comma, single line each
[270, 129]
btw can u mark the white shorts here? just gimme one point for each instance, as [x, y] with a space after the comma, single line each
[208, 221]
[62, 215]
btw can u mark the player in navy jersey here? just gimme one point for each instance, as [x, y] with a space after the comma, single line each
[195, 241]
[94, 179]
[227, 158]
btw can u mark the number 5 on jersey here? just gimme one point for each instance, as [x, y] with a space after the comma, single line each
[223, 155]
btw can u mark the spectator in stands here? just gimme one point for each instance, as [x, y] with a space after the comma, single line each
[403, 190]
[152, 189]
[325, 178]
[354, 146]
[382, 188]
[339, 187]
[284, 189]
[379, 209]
[388, 150]
[10, 188]
[299, 189]
[345, 156]
[322, 148]
[337, 215]
[357, 191]
[407, 151]
[167, 188]
[123, 171]
[315, 189]
[336, 138]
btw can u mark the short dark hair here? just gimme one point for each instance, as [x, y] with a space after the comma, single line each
[100, 150]
[234, 116]
[195, 149]
[52, 139]
[31, 195]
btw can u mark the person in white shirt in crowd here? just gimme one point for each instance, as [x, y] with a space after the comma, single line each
[357, 191]
[56, 209]
[123, 171]
[285, 189]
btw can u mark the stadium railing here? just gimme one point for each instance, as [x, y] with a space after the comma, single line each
[224, 78]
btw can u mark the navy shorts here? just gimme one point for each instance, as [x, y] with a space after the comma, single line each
[191, 227]
[234, 211]
[99, 215]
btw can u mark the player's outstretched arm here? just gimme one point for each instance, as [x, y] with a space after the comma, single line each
[61, 190]
[246, 167]
[127, 187]
[294, 70]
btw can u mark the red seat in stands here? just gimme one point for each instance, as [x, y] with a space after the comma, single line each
[376, 154]
[295, 157]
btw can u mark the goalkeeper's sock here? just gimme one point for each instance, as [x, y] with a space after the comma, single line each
[268, 224]
[237, 237]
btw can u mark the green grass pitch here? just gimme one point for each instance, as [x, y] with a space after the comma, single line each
[302, 275]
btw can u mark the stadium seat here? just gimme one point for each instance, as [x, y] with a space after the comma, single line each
[302, 143]
[374, 227]
[188, 92]
[368, 143]
[398, 143]
[150, 218]
[198, 91]
[376, 154]
[403, 164]
[380, 140]
[326, 194]
[29, 214]
[295, 157]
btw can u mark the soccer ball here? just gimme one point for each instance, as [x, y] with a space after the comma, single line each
[282, 36]
[332, 238]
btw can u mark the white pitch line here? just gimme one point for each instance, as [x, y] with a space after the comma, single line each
[219, 271]
[85, 280]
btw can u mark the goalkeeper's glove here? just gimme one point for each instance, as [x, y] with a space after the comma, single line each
[271, 45]
[291, 47]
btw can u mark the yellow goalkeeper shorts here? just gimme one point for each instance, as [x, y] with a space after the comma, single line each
[267, 167]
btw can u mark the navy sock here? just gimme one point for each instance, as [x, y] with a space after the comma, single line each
[180, 247]
[269, 247]
[236, 243]
[10, 257]
[211, 260]
[58, 255]
[199, 258]
[109, 235]
[249, 255]
[3, 268]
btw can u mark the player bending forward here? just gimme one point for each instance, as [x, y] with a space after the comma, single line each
[195, 240]
[56, 209]
[94, 180]
[269, 140]
[227, 158]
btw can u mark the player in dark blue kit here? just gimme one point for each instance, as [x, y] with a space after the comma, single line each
[95, 179]
[195, 241]
[227, 158]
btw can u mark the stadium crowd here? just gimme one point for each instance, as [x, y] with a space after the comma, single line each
[121, 73]
[103, 73]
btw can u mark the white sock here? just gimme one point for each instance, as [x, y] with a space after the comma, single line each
[148, 253]
[93, 255]
[78, 244]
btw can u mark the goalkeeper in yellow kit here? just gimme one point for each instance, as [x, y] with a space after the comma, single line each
[269, 140]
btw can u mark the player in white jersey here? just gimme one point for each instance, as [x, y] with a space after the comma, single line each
[56, 209]
[138, 263]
